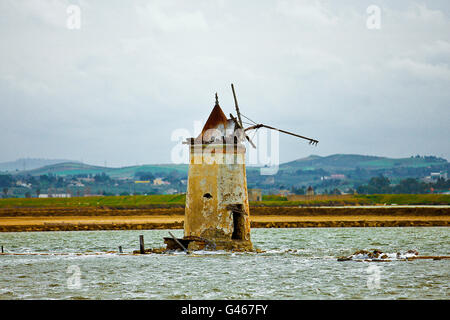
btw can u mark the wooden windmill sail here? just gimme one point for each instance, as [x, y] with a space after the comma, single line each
[218, 127]
[256, 126]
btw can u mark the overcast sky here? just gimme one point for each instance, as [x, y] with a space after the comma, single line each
[116, 89]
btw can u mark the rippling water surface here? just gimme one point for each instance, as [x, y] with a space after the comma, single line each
[297, 264]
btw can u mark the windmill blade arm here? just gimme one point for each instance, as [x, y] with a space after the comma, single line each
[237, 106]
[311, 141]
[250, 141]
[240, 127]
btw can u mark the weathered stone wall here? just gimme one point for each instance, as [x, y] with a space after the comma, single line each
[216, 181]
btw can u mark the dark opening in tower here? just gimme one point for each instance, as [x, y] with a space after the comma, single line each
[238, 223]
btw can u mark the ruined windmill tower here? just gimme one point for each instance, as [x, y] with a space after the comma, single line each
[217, 209]
[216, 200]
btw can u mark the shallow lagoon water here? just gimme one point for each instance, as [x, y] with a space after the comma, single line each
[311, 271]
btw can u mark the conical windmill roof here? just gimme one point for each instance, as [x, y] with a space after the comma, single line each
[216, 120]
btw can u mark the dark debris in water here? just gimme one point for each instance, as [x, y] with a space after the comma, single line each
[165, 250]
[377, 255]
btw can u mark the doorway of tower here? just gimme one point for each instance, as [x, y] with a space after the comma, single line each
[238, 222]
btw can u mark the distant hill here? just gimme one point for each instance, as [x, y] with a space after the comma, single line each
[65, 168]
[76, 168]
[29, 164]
[342, 172]
[337, 163]
[345, 162]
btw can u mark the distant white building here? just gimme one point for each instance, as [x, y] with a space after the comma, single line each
[61, 195]
[437, 175]
[23, 184]
[55, 195]
[76, 184]
[333, 177]
[434, 176]
[159, 182]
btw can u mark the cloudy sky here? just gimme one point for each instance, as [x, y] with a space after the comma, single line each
[117, 88]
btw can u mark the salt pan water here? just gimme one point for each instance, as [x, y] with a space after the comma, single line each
[297, 264]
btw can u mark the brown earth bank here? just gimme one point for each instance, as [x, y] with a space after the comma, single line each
[142, 222]
[254, 211]
[87, 211]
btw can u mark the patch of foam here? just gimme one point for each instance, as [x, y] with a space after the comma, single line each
[385, 256]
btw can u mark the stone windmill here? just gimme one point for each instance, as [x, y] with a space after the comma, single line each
[217, 209]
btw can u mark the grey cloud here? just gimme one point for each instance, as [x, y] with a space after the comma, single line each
[138, 70]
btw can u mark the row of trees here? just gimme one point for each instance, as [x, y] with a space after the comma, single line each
[44, 181]
[381, 184]
[101, 183]
[6, 180]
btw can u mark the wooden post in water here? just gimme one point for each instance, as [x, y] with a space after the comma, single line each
[179, 243]
[120, 249]
[2, 249]
[141, 244]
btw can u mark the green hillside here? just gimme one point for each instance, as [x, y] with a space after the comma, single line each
[347, 172]
[336, 163]
[28, 164]
[328, 175]
[343, 162]
[71, 168]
